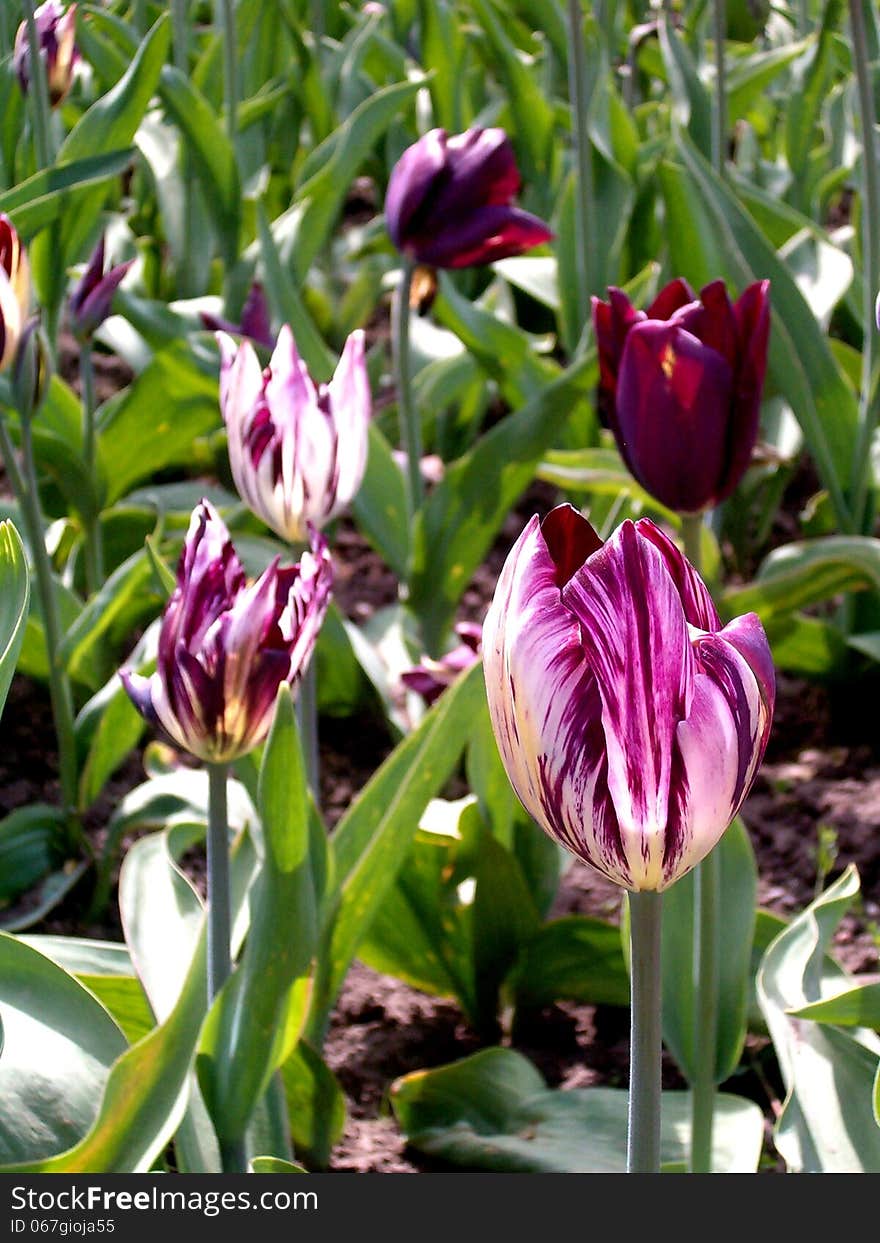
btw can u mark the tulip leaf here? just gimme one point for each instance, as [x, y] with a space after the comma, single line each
[58, 1046]
[692, 106]
[736, 918]
[804, 573]
[14, 600]
[493, 1111]
[809, 90]
[212, 154]
[275, 1165]
[123, 997]
[748, 79]
[259, 1014]
[710, 232]
[42, 198]
[315, 1104]
[444, 48]
[465, 512]
[858, 1006]
[31, 846]
[575, 958]
[380, 504]
[130, 582]
[371, 840]
[827, 1124]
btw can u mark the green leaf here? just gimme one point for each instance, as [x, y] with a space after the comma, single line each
[131, 581]
[42, 198]
[827, 1124]
[315, 1104]
[465, 512]
[748, 79]
[274, 1165]
[108, 727]
[58, 1046]
[14, 601]
[858, 1006]
[212, 154]
[250, 1029]
[123, 998]
[809, 90]
[691, 105]
[31, 845]
[493, 1111]
[571, 959]
[736, 919]
[380, 504]
[370, 841]
[804, 573]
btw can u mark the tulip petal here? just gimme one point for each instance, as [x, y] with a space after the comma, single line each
[671, 298]
[410, 183]
[488, 233]
[636, 641]
[481, 170]
[699, 609]
[350, 400]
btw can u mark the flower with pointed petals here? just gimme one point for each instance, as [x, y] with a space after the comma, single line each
[681, 387]
[431, 678]
[15, 290]
[92, 296]
[226, 645]
[56, 33]
[298, 450]
[449, 201]
[254, 319]
[630, 722]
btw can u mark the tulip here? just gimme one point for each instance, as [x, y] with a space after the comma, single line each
[225, 646]
[15, 290]
[681, 387]
[92, 296]
[449, 201]
[298, 450]
[254, 323]
[630, 722]
[56, 32]
[431, 678]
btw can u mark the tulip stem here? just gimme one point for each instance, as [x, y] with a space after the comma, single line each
[38, 91]
[410, 427]
[94, 544]
[707, 958]
[579, 92]
[307, 721]
[24, 483]
[643, 1137]
[180, 50]
[862, 466]
[719, 112]
[219, 921]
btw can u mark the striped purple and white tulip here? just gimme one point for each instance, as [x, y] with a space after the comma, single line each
[630, 722]
[298, 450]
[226, 645]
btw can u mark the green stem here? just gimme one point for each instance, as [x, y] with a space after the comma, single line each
[643, 1140]
[230, 69]
[583, 154]
[94, 543]
[233, 1156]
[410, 427]
[219, 921]
[870, 264]
[24, 483]
[719, 112]
[38, 91]
[307, 720]
[180, 51]
[707, 954]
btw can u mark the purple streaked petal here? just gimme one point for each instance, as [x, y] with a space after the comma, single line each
[699, 609]
[636, 642]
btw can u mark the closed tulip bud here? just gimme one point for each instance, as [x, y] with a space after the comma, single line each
[32, 370]
[254, 324]
[431, 678]
[449, 201]
[56, 32]
[92, 296]
[631, 723]
[15, 290]
[681, 387]
[226, 645]
[298, 450]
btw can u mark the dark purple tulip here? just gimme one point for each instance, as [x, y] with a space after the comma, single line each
[92, 296]
[15, 290]
[255, 323]
[680, 386]
[449, 201]
[56, 34]
[226, 645]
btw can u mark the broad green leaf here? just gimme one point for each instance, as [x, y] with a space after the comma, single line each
[42, 198]
[736, 919]
[858, 1006]
[58, 1046]
[248, 1034]
[380, 504]
[827, 1124]
[575, 958]
[691, 104]
[809, 90]
[444, 44]
[315, 1104]
[81, 956]
[123, 997]
[748, 79]
[370, 841]
[31, 845]
[462, 516]
[803, 573]
[493, 1111]
[275, 1165]
[212, 155]
[14, 600]
[130, 582]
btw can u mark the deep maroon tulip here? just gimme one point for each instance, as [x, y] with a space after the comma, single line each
[681, 385]
[449, 201]
[226, 645]
[56, 34]
[15, 290]
[92, 296]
